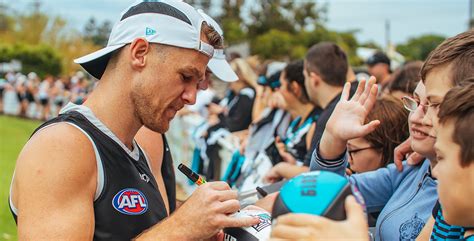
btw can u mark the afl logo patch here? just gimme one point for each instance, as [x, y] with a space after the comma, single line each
[130, 201]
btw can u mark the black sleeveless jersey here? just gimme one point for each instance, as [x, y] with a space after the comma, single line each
[130, 201]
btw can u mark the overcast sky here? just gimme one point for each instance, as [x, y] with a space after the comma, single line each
[408, 18]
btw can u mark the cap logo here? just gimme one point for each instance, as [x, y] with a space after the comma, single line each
[149, 31]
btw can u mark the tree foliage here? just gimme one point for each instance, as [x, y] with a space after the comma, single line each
[41, 58]
[282, 29]
[284, 15]
[275, 29]
[44, 43]
[98, 34]
[419, 48]
[31, 38]
[273, 44]
[232, 22]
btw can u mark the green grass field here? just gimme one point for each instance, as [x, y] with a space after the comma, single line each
[14, 133]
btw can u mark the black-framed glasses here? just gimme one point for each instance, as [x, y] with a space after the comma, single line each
[351, 152]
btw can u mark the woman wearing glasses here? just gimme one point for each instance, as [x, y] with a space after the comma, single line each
[375, 150]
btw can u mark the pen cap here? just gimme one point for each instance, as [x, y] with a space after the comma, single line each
[188, 172]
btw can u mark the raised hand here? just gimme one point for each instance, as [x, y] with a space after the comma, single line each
[347, 120]
[348, 117]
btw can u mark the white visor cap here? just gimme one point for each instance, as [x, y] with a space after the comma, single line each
[218, 64]
[170, 22]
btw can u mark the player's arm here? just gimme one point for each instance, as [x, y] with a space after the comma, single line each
[54, 186]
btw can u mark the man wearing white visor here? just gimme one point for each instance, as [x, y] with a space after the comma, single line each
[82, 176]
[218, 66]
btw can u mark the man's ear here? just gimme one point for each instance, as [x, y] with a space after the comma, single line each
[315, 79]
[139, 49]
[295, 88]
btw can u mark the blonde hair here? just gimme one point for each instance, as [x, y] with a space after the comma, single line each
[244, 71]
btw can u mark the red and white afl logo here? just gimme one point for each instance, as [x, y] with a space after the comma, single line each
[130, 201]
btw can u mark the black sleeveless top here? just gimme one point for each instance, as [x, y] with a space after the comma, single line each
[295, 139]
[130, 201]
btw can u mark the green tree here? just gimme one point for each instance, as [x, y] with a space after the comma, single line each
[269, 15]
[233, 32]
[284, 15]
[30, 27]
[273, 44]
[418, 48]
[349, 44]
[41, 58]
[231, 22]
[5, 53]
[102, 34]
[89, 28]
[371, 44]
[6, 21]
[56, 32]
[42, 42]
[280, 44]
[97, 34]
[307, 14]
[279, 28]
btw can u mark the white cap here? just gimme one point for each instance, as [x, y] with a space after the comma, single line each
[218, 64]
[274, 67]
[169, 22]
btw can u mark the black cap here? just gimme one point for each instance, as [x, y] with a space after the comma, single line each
[378, 57]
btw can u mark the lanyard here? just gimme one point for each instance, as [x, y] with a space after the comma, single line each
[294, 136]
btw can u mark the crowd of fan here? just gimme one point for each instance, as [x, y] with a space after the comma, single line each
[33, 97]
[273, 93]
[284, 119]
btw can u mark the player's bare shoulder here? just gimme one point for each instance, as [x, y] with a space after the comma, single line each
[58, 166]
[60, 153]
